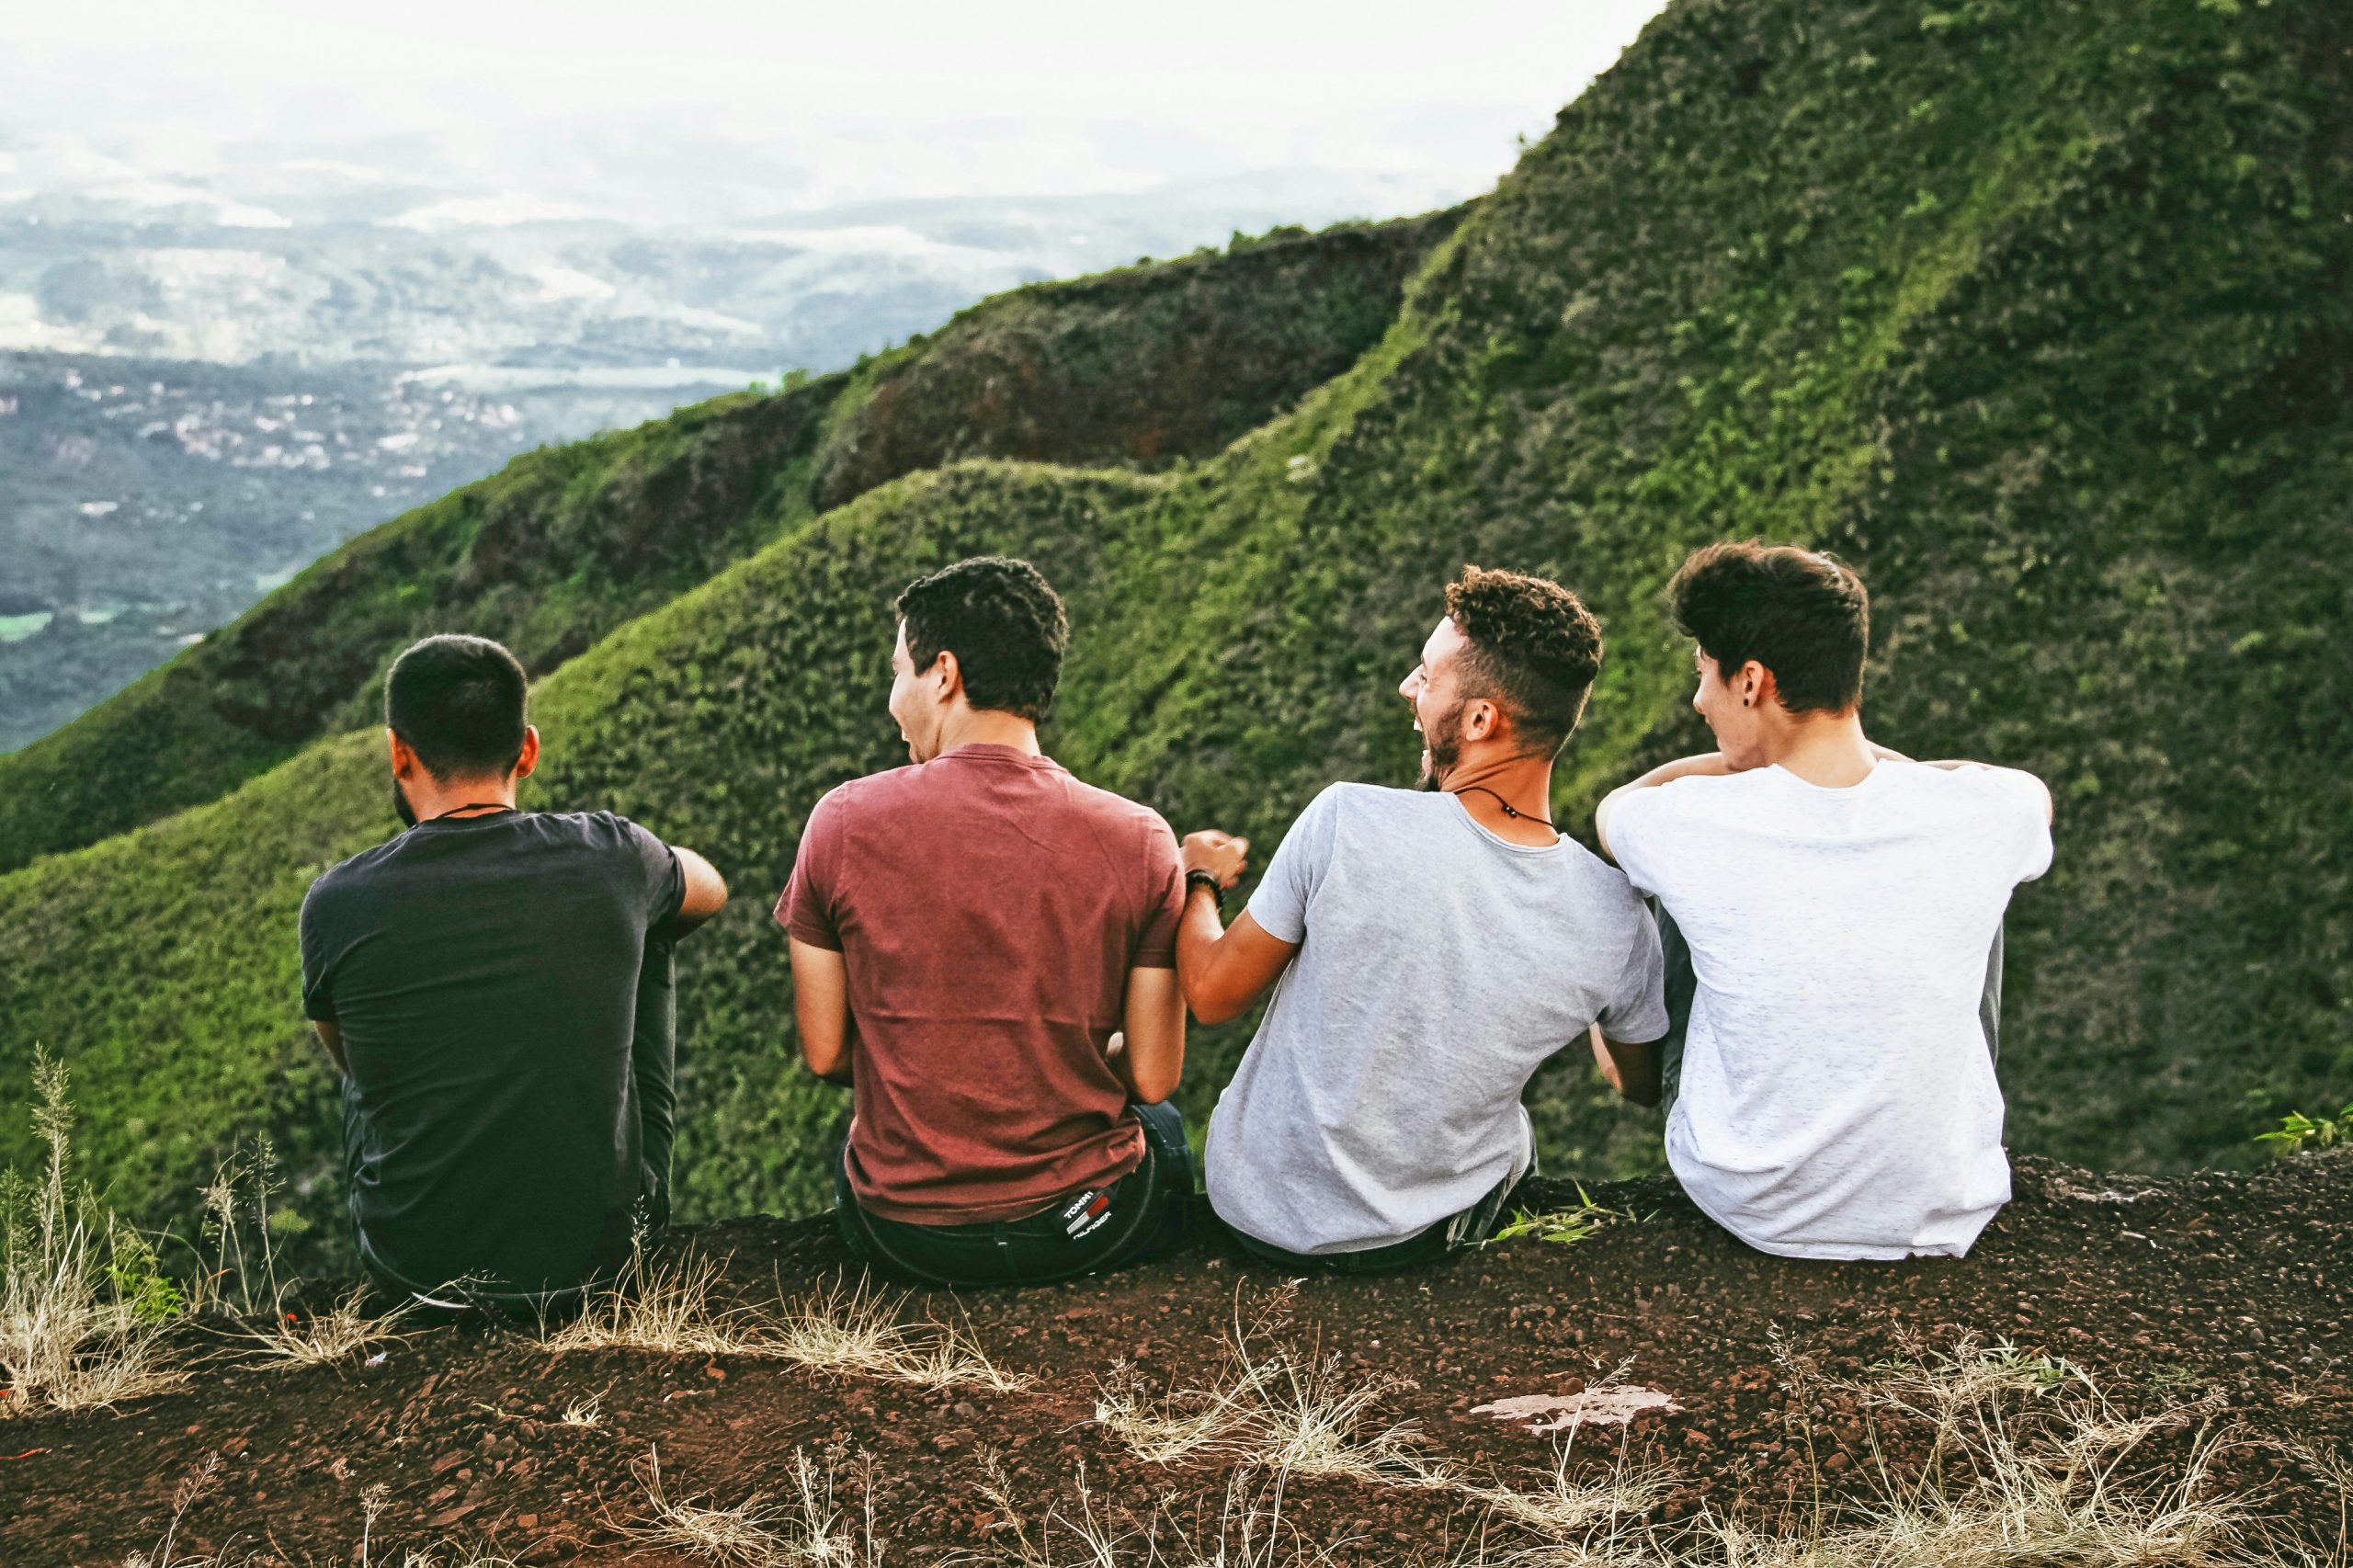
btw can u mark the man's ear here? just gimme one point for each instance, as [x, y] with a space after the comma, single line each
[1753, 683]
[404, 759]
[1484, 722]
[950, 677]
[529, 758]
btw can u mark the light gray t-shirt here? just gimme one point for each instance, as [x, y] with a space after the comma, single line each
[1838, 1097]
[1439, 966]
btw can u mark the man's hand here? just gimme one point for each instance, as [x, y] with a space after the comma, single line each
[1222, 855]
[1634, 1071]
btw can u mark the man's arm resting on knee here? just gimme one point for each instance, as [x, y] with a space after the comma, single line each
[1634, 1071]
[1152, 1023]
[821, 1007]
[1711, 765]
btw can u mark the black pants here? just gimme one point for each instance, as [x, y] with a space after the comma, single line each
[1682, 983]
[1468, 1229]
[1140, 1214]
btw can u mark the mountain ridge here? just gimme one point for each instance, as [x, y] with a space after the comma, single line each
[2031, 312]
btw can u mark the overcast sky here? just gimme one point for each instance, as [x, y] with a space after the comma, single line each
[909, 97]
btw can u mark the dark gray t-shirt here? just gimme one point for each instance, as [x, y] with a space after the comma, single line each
[1439, 966]
[485, 975]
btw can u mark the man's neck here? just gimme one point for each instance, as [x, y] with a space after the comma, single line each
[1825, 749]
[988, 727]
[1486, 785]
[429, 798]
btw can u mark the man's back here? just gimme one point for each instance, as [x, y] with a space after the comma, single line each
[483, 973]
[1837, 1097]
[1438, 966]
[988, 907]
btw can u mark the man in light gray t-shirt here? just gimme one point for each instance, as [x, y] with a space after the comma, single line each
[1428, 951]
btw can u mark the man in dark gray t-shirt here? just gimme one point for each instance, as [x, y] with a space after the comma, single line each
[494, 985]
[1427, 951]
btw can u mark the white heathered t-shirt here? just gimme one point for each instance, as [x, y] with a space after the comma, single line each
[1439, 966]
[1838, 1097]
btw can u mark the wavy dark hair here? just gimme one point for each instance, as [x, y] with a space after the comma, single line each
[458, 703]
[1534, 651]
[1800, 613]
[1004, 622]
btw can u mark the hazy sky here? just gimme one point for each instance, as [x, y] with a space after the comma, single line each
[1059, 98]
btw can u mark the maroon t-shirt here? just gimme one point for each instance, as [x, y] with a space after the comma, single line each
[987, 907]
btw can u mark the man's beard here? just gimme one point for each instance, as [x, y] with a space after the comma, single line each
[1442, 746]
[401, 806]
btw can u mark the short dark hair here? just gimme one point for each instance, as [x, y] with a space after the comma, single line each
[458, 703]
[1005, 624]
[1800, 613]
[1534, 649]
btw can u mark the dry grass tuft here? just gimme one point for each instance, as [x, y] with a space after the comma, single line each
[584, 1413]
[1249, 1531]
[810, 1528]
[851, 1329]
[672, 1309]
[82, 1303]
[324, 1338]
[668, 1307]
[1276, 1409]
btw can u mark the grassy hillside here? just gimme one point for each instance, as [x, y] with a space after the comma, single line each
[1142, 366]
[2038, 312]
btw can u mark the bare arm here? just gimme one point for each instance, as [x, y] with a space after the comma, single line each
[1705, 764]
[821, 1007]
[331, 1035]
[1634, 1071]
[1152, 1023]
[1225, 969]
[706, 890]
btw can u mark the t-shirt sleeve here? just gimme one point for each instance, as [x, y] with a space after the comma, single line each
[660, 875]
[2022, 797]
[1639, 824]
[1279, 905]
[1165, 878]
[318, 996]
[1637, 1011]
[806, 909]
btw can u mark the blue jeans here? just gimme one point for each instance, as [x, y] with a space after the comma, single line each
[1140, 1214]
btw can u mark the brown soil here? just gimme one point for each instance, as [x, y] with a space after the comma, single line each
[2222, 1290]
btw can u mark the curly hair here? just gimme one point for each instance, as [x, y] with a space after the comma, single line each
[1005, 624]
[1534, 650]
[1798, 612]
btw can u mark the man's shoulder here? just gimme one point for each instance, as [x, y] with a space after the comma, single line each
[882, 791]
[351, 876]
[1109, 805]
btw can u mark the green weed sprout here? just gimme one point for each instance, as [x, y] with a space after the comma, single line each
[2296, 1130]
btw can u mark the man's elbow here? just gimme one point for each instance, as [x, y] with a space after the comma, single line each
[1208, 1007]
[1153, 1088]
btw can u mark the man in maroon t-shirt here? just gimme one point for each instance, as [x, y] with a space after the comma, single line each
[984, 948]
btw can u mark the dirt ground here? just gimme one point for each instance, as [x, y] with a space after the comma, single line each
[2221, 1297]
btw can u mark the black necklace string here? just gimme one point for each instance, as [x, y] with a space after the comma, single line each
[1509, 810]
[496, 806]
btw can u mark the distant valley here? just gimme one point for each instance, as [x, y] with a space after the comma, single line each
[200, 394]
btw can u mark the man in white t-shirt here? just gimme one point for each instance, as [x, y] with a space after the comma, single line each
[1837, 1096]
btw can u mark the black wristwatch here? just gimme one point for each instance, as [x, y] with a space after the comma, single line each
[1208, 880]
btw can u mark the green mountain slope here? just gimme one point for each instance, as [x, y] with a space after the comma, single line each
[1143, 365]
[2037, 311]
